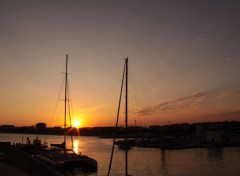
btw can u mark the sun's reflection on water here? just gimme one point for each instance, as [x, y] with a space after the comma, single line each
[76, 146]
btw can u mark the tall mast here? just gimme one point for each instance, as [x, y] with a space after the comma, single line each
[65, 100]
[125, 73]
[126, 120]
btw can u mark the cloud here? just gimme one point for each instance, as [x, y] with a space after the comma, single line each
[224, 94]
[175, 104]
[93, 108]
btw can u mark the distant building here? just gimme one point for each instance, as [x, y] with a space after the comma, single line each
[213, 133]
[203, 127]
[215, 137]
[41, 126]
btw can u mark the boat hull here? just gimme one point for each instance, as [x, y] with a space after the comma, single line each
[85, 164]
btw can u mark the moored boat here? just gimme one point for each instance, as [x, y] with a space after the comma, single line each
[58, 156]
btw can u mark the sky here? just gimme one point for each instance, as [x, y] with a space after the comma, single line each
[184, 59]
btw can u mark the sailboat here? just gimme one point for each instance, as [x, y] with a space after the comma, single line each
[59, 156]
[125, 143]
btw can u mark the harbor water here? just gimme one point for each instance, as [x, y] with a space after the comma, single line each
[222, 161]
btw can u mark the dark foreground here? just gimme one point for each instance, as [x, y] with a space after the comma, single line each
[21, 163]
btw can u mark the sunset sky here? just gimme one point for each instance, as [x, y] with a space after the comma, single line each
[184, 60]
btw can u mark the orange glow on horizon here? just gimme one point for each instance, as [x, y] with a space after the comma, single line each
[77, 122]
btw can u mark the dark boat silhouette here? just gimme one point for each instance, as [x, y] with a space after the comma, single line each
[61, 158]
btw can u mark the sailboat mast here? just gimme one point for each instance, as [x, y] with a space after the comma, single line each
[65, 100]
[125, 73]
[126, 119]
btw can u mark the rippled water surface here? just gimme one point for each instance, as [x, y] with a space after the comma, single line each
[144, 162]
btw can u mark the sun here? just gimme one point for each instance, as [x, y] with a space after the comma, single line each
[77, 123]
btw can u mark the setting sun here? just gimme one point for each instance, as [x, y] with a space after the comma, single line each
[77, 123]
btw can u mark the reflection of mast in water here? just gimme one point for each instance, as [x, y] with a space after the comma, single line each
[164, 163]
[163, 159]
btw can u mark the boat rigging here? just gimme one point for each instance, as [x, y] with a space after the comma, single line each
[124, 145]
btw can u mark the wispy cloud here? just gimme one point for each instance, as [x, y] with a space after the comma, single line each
[93, 108]
[225, 94]
[175, 104]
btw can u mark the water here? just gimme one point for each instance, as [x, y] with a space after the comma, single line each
[145, 162]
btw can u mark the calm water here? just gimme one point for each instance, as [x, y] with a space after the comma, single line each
[155, 162]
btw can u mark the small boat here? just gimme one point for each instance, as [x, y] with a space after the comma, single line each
[59, 156]
[67, 160]
[62, 145]
[125, 144]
